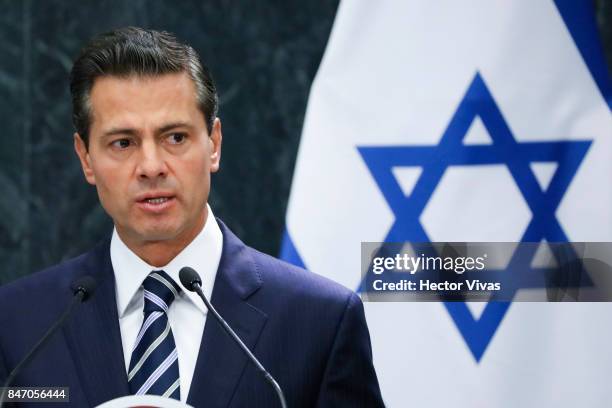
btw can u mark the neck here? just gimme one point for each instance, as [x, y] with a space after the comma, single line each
[159, 253]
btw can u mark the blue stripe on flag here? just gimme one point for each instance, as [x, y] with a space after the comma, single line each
[579, 17]
[288, 251]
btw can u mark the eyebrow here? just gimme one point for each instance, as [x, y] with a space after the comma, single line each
[174, 125]
[133, 132]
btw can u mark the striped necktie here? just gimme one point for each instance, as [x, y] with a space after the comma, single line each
[154, 362]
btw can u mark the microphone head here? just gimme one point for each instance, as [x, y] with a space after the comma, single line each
[189, 277]
[85, 284]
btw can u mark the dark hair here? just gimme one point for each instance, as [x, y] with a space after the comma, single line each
[135, 51]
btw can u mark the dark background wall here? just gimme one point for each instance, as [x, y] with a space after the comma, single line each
[263, 55]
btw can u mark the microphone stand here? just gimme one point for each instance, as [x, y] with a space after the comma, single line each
[191, 280]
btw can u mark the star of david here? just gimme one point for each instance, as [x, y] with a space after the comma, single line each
[451, 151]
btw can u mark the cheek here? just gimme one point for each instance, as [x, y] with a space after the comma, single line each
[110, 183]
[196, 180]
[197, 168]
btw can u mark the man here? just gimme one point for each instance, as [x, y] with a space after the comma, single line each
[148, 137]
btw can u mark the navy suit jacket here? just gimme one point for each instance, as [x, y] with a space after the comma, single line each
[309, 332]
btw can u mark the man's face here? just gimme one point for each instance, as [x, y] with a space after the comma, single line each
[150, 156]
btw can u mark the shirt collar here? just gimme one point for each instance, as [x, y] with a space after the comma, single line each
[203, 254]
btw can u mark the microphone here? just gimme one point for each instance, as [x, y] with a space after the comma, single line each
[82, 289]
[192, 282]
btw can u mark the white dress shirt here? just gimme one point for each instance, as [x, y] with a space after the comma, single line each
[187, 314]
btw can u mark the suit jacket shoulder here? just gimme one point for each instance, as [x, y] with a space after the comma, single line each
[297, 283]
[48, 291]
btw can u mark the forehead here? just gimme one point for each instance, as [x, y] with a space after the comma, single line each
[143, 101]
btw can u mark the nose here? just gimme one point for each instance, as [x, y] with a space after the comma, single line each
[151, 163]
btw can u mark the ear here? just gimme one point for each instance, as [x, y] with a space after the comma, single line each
[81, 150]
[215, 138]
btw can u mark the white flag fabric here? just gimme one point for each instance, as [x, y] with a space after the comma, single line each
[462, 121]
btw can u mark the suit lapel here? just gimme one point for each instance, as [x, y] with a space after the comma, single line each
[94, 337]
[220, 361]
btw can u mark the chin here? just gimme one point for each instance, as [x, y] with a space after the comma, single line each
[159, 233]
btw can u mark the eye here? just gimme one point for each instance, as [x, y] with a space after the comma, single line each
[176, 138]
[121, 144]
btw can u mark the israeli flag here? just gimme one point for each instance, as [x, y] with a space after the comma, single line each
[462, 121]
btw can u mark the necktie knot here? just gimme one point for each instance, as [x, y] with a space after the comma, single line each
[160, 290]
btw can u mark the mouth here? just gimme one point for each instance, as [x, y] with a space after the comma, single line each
[155, 203]
[155, 200]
